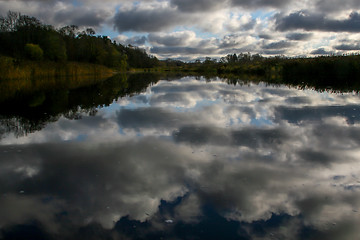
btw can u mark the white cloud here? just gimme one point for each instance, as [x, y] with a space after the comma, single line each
[174, 39]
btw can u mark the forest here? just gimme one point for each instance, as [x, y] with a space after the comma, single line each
[24, 38]
[340, 72]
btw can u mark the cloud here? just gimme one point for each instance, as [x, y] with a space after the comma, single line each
[318, 114]
[27, 209]
[184, 51]
[317, 22]
[175, 39]
[250, 137]
[148, 118]
[278, 45]
[236, 41]
[348, 47]
[321, 51]
[61, 13]
[148, 18]
[336, 6]
[298, 100]
[299, 36]
[197, 6]
[135, 40]
[110, 180]
[82, 17]
[260, 3]
[345, 137]
[315, 157]
[239, 23]
[265, 36]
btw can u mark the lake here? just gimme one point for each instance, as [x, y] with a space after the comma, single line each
[180, 158]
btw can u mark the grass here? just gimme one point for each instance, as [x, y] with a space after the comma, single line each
[11, 68]
[27, 76]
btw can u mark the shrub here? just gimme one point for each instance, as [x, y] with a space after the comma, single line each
[33, 51]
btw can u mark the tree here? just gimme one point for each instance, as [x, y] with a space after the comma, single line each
[33, 51]
[69, 31]
[54, 46]
[90, 31]
[9, 23]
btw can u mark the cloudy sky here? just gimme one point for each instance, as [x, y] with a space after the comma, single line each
[188, 29]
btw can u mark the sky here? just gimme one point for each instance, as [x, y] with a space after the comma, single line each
[190, 29]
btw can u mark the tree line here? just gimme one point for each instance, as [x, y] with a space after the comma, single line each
[25, 37]
[341, 72]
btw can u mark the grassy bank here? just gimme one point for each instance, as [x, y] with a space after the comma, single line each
[11, 68]
[25, 77]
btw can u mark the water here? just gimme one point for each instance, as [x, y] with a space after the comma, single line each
[182, 159]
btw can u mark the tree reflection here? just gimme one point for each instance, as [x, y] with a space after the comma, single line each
[30, 110]
[25, 112]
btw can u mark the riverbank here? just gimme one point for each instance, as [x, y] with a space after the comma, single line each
[12, 68]
[26, 77]
[331, 72]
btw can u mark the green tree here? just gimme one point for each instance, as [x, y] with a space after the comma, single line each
[33, 51]
[54, 46]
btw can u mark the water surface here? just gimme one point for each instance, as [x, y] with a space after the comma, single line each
[183, 159]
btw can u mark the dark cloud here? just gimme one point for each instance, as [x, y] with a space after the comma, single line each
[344, 137]
[148, 118]
[336, 6]
[258, 137]
[265, 36]
[277, 91]
[71, 176]
[299, 36]
[248, 26]
[147, 20]
[202, 135]
[250, 137]
[196, 6]
[348, 47]
[316, 157]
[319, 22]
[317, 114]
[298, 100]
[321, 51]
[82, 17]
[49, 13]
[259, 3]
[273, 52]
[278, 45]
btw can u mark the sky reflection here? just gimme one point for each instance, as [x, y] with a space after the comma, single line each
[191, 159]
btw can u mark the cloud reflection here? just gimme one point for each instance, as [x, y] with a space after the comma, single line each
[209, 162]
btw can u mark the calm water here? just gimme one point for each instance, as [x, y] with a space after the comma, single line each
[181, 159]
